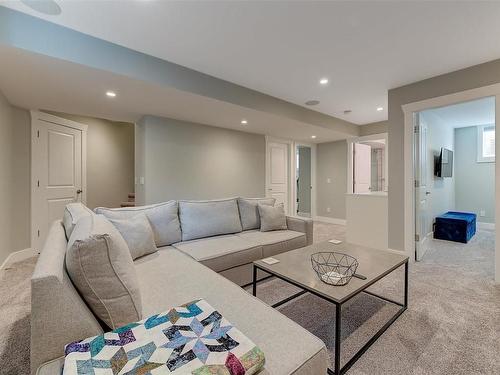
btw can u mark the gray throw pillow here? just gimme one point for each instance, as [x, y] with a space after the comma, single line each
[272, 217]
[209, 218]
[100, 266]
[138, 235]
[249, 212]
[163, 218]
[72, 213]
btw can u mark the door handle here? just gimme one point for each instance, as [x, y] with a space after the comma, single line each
[427, 193]
[79, 191]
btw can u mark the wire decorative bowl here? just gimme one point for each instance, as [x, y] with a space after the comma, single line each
[334, 268]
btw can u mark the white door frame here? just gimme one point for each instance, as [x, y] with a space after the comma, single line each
[35, 116]
[350, 166]
[288, 142]
[409, 189]
[313, 176]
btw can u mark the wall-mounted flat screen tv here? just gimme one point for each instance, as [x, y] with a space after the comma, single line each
[444, 163]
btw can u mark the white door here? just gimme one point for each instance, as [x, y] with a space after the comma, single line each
[423, 222]
[57, 172]
[362, 168]
[278, 172]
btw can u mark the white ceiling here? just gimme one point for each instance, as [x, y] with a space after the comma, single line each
[471, 113]
[35, 81]
[283, 48]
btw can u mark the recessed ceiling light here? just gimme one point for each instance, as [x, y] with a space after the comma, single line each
[313, 136]
[380, 109]
[111, 94]
[323, 81]
[312, 102]
[244, 122]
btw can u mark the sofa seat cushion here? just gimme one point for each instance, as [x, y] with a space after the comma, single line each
[170, 278]
[221, 252]
[275, 242]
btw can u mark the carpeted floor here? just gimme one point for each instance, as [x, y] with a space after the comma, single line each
[451, 326]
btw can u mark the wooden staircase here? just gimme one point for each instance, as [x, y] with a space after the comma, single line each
[130, 202]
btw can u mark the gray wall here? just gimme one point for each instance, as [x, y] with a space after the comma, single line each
[331, 164]
[182, 160]
[473, 77]
[304, 183]
[110, 160]
[475, 182]
[373, 128]
[15, 179]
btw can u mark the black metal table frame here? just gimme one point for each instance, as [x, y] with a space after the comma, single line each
[338, 312]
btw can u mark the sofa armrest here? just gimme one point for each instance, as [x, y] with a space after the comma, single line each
[301, 224]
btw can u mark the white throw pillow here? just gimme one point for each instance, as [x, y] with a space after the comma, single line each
[137, 233]
[272, 217]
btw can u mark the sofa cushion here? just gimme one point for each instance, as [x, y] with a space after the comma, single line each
[275, 242]
[138, 235]
[221, 252]
[272, 217]
[160, 276]
[100, 265]
[72, 213]
[163, 218]
[208, 218]
[249, 212]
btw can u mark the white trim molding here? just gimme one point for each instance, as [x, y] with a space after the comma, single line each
[330, 220]
[487, 226]
[17, 256]
[409, 202]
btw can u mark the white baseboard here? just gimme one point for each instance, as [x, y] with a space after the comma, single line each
[489, 226]
[330, 220]
[18, 256]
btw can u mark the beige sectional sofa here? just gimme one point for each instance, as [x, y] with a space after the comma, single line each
[179, 272]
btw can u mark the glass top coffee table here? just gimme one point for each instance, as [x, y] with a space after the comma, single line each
[295, 268]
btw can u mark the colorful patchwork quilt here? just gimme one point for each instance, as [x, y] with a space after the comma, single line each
[191, 339]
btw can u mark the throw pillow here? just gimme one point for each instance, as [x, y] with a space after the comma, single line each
[272, 217]
[249, 212]
[100, 266]
[201, 219]
[138, 235]
[163, 218]
[72, 213]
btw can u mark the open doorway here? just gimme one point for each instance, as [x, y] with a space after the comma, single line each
[454, 169]
[303, 204]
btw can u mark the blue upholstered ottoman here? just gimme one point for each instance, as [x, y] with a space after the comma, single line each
[455, 226]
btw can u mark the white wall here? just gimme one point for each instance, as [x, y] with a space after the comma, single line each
[442, 197]
[182, 160]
